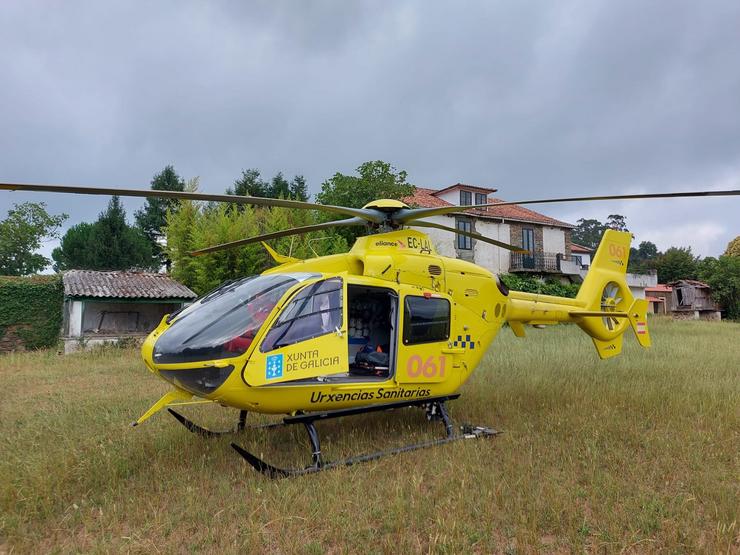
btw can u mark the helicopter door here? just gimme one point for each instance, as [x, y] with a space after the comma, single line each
[425, 329]
[307, 340]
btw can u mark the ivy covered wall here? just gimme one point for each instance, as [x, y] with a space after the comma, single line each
[30, 312]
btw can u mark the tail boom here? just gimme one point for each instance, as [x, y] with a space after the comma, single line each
[604, 307]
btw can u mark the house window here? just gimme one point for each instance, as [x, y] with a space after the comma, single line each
[425, 320]
[528, 239]
[480, 198]
[466, 198]
[463, 241]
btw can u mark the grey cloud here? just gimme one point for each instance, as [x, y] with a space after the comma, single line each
[535, 98]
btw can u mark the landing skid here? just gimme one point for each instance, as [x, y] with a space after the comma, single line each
[436, 410]
[205, 432]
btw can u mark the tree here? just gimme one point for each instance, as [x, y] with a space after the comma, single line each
[643, 258]
[647, 250]
[676, 263]
[616, 222]
[298, 188]
[723, 276]
[733, 247]
[107, 244]
[251, 184]
[587, 233]
[197, 225]
[152, 217]
[21, 233]
[376, 180]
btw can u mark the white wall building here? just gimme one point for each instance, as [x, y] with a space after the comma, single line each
[547, 240]
[105, 307]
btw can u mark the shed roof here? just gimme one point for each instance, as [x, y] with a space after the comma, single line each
[692, 282]
[426, 198]
[123, 285]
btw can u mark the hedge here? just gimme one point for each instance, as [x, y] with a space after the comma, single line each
[540, 285]
[33, 304]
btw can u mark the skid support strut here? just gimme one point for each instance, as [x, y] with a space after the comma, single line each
[436, 410]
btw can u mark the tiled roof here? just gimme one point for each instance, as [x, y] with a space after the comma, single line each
[465, 186]
[425, 198]
[660, 288]
[580, 248]
[123, 285]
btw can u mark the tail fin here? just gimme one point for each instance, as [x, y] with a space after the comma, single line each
[608, 301]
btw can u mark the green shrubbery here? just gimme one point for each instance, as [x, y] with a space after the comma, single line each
[540, 285]
[34, 306]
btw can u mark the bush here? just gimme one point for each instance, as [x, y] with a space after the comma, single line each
[540, 285]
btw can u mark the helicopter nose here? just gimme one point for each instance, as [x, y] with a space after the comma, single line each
[199, 381]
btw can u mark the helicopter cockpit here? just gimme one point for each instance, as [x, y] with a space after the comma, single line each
[223, 323]
[352, 322]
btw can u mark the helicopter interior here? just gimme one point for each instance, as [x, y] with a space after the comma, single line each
[372, 315]
[372, 320]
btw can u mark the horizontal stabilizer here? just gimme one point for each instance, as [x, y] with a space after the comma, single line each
[598, 314]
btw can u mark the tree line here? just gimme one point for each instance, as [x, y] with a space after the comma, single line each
[165, 231]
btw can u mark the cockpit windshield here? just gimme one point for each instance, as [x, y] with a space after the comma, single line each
[224, 322]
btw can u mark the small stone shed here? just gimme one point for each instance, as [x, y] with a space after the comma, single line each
[691, 300]
[106, 307]
[659, 298]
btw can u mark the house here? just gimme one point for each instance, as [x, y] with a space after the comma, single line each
[659, 298]
[106, 307]
[544, 237]
[691, 300]
[581, 255]
[547, 240]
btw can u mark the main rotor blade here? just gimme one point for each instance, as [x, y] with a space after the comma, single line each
[684, 194]
[406, 215]
[369, 215]
[472, 234]
[410, 214]
[278, 234]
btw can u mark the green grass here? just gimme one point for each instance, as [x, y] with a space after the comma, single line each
[639, 454]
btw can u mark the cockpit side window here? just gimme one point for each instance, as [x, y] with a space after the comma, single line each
[316, 310]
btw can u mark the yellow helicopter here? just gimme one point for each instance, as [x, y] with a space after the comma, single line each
[389, 324]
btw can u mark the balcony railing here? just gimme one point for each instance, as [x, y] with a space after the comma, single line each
[534, 262]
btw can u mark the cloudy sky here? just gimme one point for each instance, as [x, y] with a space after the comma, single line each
[534, 98]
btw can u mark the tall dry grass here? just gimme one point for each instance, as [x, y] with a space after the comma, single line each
[638, 454]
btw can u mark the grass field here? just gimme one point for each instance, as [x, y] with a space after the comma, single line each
[636, 454]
